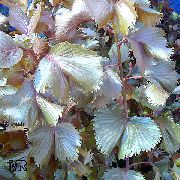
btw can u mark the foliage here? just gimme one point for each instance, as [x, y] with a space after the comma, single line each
[86, 89]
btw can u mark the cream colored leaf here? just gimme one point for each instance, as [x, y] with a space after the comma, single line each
[7, 90]
[147, 15]
[126, 15]
[67, 140]
[51, 111]
[112, 86]
[10, 54]
[164, 74]
[68, 21]
[156, 95]
[101, 10]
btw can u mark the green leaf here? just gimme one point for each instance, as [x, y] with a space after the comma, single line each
[141, 134]
[62, 140]
[117, 173]
[51, 111]
[170, 133]
[108, 125]
[10, 54]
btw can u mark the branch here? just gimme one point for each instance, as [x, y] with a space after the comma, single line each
[118, 44]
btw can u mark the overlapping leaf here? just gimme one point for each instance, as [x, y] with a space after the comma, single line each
[108, 125]
[18, 18]
[141, 134]
[10, 54]
[68, 21]
[63, 137]
[117, 173]
[51, 111]
[147, 44]
[170, 133]
[146, 14]
[112, 86]
[20, 107]
[103, 11]
[164, 74]
[80, 65]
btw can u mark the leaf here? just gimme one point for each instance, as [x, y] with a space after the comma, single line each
[10, 54]
[68, 21]
[126, 15]
[149, 43]
[34, 19]
[122, 13]
[141, 134]
[20, 107]
[7, 90]
[48, 74]
[112, 86]
[164, 74]
[51, 111]
[101, 11]
[3, 19]
[81, 65]
[170, 133]
[117, 173]
[64, 137]
[108, 125]
[18, 19]
[155, 94]
[147, 15]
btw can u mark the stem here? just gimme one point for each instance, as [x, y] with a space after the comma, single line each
[141, 163]
[121, 73]
[127, 164]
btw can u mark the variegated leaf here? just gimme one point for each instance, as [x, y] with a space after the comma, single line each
[18, 19]
[51, 111]
[10, 54]
[149, 43]
[117, 173]
[147, 15]
[80, 65]
[156, 95]
[164, 74]
[170, 133]
[112, 86]
[108, 125]
[34, 19]
[141, 134]
[63, 137]
[20, 107]
[50, 75]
